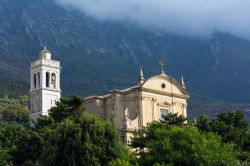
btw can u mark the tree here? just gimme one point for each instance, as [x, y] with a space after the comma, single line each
[231, 126]
[84, 140]
[119, 162]
[68, 136]
[18, 144]
[165, 144]
[174, 119]
[17, 114]
[67, 107]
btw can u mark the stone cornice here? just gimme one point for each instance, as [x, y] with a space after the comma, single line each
[165, 93]
[45, 66]
[48, 89]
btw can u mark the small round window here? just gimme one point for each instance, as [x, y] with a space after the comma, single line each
[163, 85]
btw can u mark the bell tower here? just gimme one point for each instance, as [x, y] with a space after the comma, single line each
[44, 84]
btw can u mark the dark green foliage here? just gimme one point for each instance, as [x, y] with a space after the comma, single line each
[16, 114]
[19, 145]
[232, 127]
[120, 162]
[14, 110]
[68, 136]
[67, 107]
[174, 119]
[183, 146]
[28, 148]
[86, 140]
[14, 132]
[4, 157]
[72, 137]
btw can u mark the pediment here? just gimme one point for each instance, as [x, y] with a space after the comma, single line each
[163, 83]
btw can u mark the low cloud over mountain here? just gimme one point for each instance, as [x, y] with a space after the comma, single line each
[197, 18]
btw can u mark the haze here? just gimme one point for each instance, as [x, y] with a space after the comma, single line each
[198, 18]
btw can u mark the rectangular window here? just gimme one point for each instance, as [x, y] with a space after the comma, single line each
[164, 112]
[47, 79]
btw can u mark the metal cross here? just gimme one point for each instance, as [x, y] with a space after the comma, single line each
[162, 63]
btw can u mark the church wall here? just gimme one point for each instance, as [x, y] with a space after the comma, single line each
[118, 109]
[152, 103]
[108, 108]
[132, 105]
[147, 110]
[95, 106]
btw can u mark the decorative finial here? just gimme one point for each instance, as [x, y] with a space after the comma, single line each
[141, 77]
[182, 81]
[162, 63]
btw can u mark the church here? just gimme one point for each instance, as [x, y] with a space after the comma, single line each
[130, 109]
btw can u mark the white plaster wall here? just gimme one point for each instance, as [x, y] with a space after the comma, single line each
[49, 99]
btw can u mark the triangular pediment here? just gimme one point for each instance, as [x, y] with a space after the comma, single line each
[163, 83]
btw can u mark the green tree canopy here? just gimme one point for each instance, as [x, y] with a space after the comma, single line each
[85, 140]
[17, 114]
[165, 144]
[18, 144]
[231, 126]
[174, 119]
[67, 107]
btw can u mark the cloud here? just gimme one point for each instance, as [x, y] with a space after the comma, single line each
[184, 17]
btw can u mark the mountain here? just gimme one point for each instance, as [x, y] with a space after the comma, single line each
[97, 56]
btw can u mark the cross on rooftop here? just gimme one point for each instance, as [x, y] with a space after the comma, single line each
[162, 63]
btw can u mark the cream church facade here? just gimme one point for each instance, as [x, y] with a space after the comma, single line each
[133, 108]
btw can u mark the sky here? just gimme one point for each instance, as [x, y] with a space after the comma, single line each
[198, 18]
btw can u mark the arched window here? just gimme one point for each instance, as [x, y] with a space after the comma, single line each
[53, 80]
[34, 77]
[38, 77]
[47, 79]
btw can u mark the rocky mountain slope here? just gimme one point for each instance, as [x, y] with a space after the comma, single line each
[98, 56]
